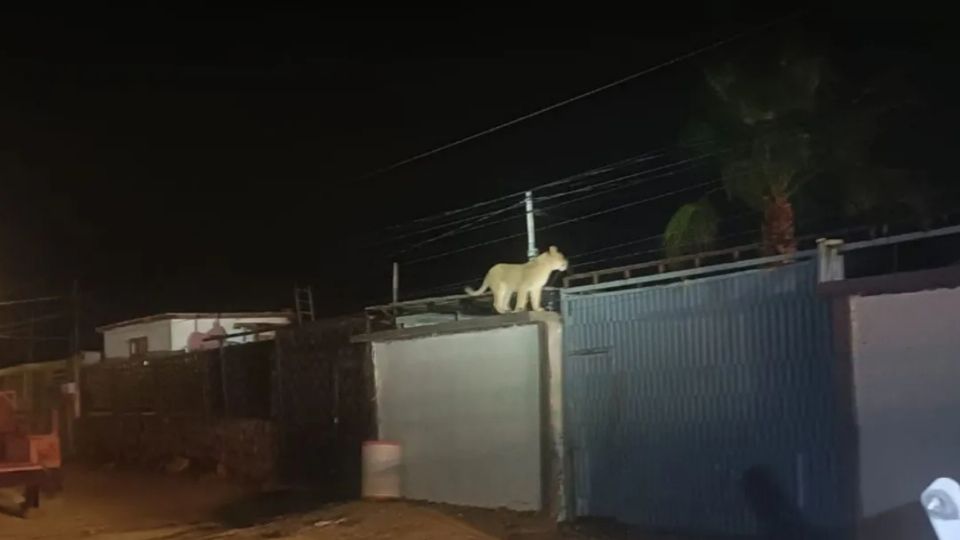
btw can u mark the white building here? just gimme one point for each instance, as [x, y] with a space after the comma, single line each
[177, 332]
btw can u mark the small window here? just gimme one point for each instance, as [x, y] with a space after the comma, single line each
[138, 346]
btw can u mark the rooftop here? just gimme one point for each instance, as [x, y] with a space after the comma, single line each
[191, 316]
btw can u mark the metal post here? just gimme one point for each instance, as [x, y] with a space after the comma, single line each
[829, 260]
[221, 353]
[73, 363]
[531, 230]
[396, 283]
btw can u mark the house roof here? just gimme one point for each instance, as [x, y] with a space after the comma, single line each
[188, 316]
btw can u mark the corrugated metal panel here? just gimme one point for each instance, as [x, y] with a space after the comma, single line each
[674, 392]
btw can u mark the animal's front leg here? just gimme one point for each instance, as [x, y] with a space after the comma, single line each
[535, 299]
[501, 300]
[522, 296]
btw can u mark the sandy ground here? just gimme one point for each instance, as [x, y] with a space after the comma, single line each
[124, 505]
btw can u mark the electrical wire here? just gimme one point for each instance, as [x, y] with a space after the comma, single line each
[805, 237]
[638, 158]
[463, 229]
[468, 221]
[630, 204]
[18, 324]
[659, 249]
[578, 97]
[562, 223]
[809, 236]
[569, 179]
[474, 225]
[30, 300]
[598, 185]
[645, 239]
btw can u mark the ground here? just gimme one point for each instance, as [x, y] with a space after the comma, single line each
[107, 504]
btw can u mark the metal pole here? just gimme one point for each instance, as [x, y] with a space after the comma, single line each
[31, 353]
[531, 230]
[829, 259]
[396, 283]
[223, 378]
[74, 367]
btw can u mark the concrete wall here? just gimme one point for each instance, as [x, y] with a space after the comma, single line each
[116, 340]
[467, 409]
[906, 362]
[174, 334]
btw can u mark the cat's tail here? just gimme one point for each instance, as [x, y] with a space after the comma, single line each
[483, 288]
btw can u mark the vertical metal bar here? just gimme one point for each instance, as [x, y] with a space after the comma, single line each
[396, 283]
[223, 379]
[296, 302]
[531, 229]
[74, 365]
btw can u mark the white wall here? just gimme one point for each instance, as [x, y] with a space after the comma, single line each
[906, 358]
[466, 409]
[116, 340]
[172, 334]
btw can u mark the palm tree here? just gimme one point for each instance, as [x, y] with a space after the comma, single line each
[776, 128]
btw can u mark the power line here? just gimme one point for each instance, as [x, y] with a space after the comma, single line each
[631, 204]
[562, 223]
[469, 221]
[26, 322]
[659, 249]
[718, 238]
[624, 185]
[645, 239]
[593, 187]
[572, 178]
[610, 167]
[30, 300]
[578, 97]
[467, 248]
[638, 158]
[34, 338]
[807, 221]
[474, 225]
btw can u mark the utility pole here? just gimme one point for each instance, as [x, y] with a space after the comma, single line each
[531, 230]
[396, 282]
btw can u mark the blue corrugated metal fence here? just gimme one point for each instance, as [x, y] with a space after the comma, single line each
[673, 392]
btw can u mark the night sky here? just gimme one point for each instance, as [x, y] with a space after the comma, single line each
[208, 159]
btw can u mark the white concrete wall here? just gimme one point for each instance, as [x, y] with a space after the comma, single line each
[466, 409]
[906, 357]
[116, 340]
[173, 334]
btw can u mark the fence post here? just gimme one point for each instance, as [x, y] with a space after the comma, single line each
[223, 379]
[829, 260]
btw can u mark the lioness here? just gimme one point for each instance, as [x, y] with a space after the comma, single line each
[527, 280]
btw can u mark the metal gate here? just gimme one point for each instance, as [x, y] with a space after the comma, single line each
[323, 403]
[700, 405]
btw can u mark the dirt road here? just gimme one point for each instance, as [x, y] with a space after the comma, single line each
[125, 505]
